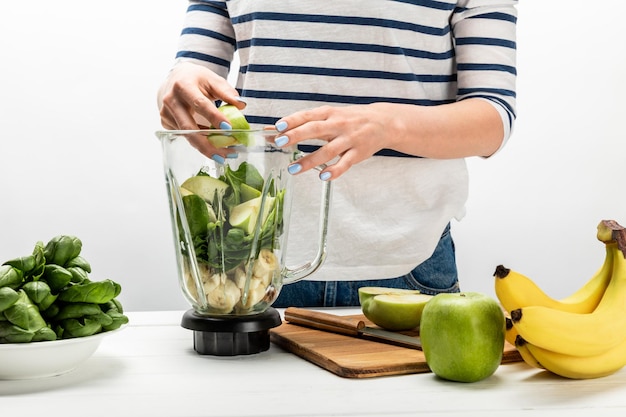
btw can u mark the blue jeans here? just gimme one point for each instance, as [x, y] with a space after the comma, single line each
[434, 275]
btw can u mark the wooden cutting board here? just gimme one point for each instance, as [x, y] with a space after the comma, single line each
[352, 357]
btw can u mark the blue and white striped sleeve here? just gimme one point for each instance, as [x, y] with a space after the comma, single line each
[485, 38]
[207, 37]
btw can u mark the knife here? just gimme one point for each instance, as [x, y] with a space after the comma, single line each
[350, 326]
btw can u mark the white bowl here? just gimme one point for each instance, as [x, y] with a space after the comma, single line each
[45, 359]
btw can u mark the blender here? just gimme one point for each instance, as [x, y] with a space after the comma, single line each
[230, 224]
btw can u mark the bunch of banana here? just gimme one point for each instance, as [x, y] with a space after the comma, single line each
[581, 336]
[515, 339]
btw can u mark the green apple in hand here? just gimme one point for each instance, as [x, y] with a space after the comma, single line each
[235, 117]
[237, 121]
[462, 336]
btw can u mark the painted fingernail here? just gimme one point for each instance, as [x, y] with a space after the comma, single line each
[281, 140]
[232, 156]
[218, 158]
[281, 125]
[241, 100]
[325, 176]
[225, 126]
[294, 169]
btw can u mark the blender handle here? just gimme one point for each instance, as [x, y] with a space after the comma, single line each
[298, 273]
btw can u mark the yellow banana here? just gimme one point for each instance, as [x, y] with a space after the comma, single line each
[522, 347]
[580, 367]
[516, 340]
[515, 290]
[511, 333]
[580, 334]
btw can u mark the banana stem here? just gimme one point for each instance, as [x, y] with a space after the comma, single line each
[501, 271]
[611, 231]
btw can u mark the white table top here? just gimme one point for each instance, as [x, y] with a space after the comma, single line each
[151, 369]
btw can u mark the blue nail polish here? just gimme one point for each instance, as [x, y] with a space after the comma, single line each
[281, 140]
[294, 169]
[325, 176]
[280, 126]
[232, 155]
[225, 126]
[218, 158]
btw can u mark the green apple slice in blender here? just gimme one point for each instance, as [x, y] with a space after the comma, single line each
[205, 186]
[191, 205]
[244, 216]
[248, 192]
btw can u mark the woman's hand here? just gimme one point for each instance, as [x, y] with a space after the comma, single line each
[354, 133]
[187, 99]
[470, 127]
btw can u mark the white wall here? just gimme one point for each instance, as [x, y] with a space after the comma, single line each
[78, 154]
[535, 206]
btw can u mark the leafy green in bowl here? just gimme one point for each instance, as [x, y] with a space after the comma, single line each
[48, 295]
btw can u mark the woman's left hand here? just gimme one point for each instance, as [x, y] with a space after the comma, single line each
[353, 134]
[470, 127]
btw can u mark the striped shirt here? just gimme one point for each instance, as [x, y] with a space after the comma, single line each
[298, 54]
[421, 52]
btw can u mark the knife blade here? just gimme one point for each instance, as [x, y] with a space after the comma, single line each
[349, 326]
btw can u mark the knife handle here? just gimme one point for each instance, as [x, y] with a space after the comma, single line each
[324, 321]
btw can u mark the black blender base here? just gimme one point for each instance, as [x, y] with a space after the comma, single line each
[231, 336]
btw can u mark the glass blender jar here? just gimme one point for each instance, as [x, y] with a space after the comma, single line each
[230, 224]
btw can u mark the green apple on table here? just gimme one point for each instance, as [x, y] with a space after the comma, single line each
[463, 336]
[393, 309]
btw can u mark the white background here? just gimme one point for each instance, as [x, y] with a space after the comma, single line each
[78, 153]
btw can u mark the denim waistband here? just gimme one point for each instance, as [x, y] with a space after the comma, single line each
[436, 274]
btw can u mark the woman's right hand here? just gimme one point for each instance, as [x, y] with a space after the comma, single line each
[187, 99]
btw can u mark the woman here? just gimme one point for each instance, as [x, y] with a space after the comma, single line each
[391, 94]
